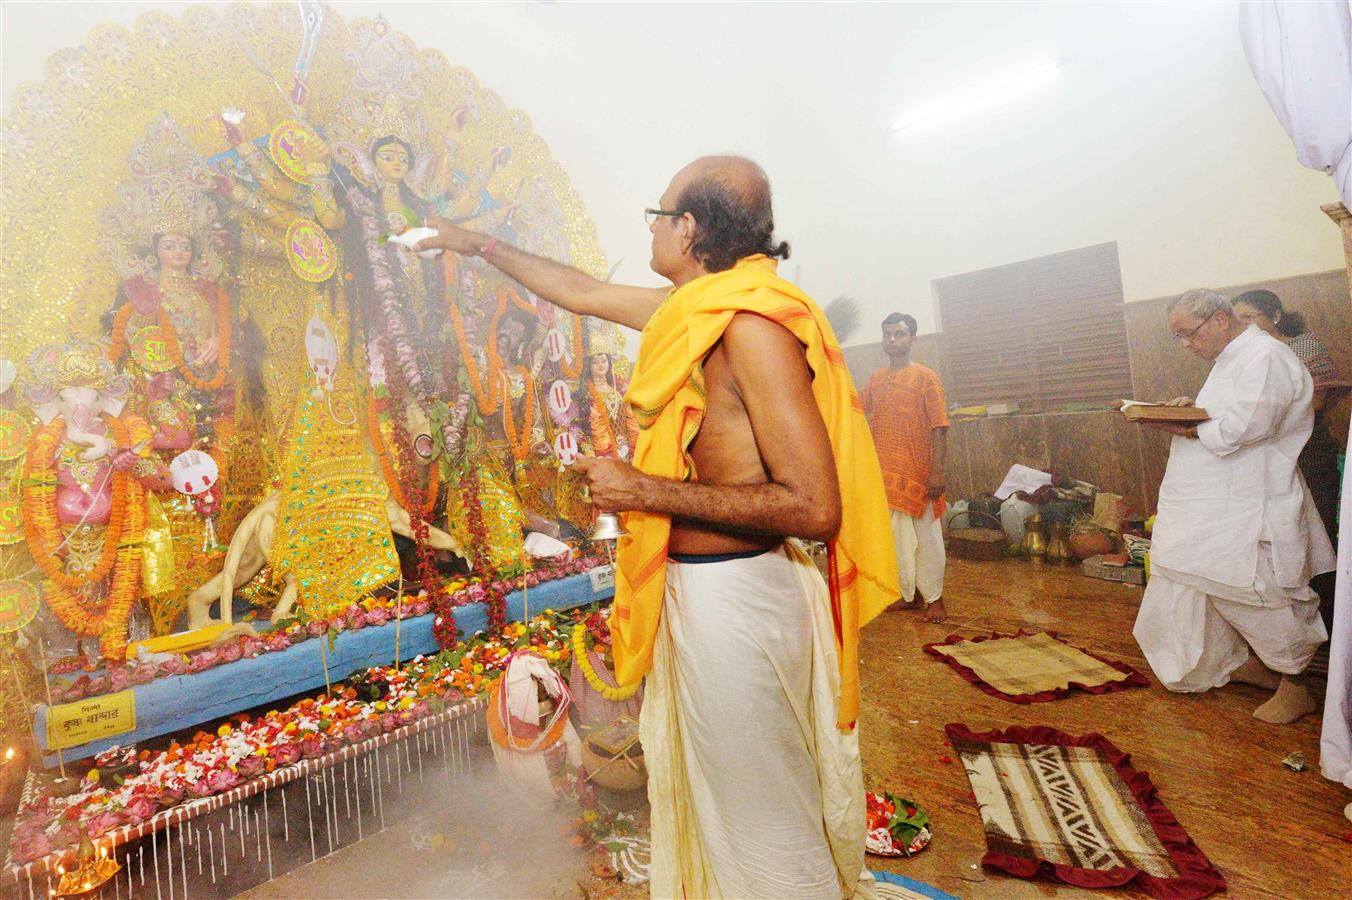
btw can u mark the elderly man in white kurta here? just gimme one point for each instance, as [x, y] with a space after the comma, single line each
[1237, 537]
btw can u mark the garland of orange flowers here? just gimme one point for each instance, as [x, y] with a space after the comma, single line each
[429, 500]
[121, 542]
[607, 430]
[488, 399]
[118, 347]
[520, 444]
[575, 369]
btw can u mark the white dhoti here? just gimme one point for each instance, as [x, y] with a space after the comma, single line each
[754, 791]
[1196, 632]
[920, 554]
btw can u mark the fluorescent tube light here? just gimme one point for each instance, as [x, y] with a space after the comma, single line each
[996, 88]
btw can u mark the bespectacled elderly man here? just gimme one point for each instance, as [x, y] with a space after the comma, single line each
[1237, 537]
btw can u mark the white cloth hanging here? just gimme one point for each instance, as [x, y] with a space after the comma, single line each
[1335, 740]
[1301, 56]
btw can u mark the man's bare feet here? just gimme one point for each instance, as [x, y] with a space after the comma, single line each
[935, 611]
[1254, 672]
[1347, 811]
[1290, 703]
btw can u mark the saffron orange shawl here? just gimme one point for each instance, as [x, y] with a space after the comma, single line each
[667, 395]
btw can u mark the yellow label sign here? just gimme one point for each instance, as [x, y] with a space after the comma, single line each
[148, 348]
[71, 724]
[11, 521]
[19, 602]
[14, 434]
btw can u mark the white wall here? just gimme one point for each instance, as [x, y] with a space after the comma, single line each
[1154, 134]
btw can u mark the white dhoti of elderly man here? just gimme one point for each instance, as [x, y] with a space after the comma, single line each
[1237, 537]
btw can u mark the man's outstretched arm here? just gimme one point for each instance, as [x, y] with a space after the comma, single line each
[563, 285]
[802, 496]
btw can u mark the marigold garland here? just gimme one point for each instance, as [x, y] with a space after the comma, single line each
[392, 479]
[487, 397]
[118, 346]
[42, 528]
[607, 429]
[614, 694]
[574, 369]
[520, 443]
[121, 556]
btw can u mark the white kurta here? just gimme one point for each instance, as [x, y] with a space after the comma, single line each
[754, 791]
[1237, 536]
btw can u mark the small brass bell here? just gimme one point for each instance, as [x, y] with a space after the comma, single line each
[608, 527]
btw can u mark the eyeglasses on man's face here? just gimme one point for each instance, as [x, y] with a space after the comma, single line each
[651, 215]
[1188, 335]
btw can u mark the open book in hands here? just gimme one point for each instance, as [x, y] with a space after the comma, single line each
[1137, 411]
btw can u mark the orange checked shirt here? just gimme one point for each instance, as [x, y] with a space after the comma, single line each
[904, 406]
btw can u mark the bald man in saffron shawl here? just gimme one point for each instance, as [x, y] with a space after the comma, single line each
[752, 437]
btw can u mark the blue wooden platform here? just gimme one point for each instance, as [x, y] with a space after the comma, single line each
[172, 704]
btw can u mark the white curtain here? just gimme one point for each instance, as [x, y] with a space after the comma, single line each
[1301, 55]
[1335, 741]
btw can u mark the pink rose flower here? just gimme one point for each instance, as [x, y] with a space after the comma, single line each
[203, 660]
[31, 845]
[316, 627]
[406, 716]
[389, 721]
[103, 822]
[143, 673]
[296, 634]
[286, 754]
[200, 788]
[311, 747]
[453, 695]
[175, 666]
[67, 834]
[231, 652]
[249, 647]
[169, 796]
[250, 766]
[377, 616]
[370, 727]
[119, 679]
[421, 709]
[276, 640]
[140, 809]
[222, 780]
[421, 608]
[353, 734]
[97, 685]
[354, 620]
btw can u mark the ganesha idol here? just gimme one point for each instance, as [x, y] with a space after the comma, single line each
[90, 517]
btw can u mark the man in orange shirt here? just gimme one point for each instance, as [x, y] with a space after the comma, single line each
[908, 414]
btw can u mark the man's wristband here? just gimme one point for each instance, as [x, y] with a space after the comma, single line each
[487, 251]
